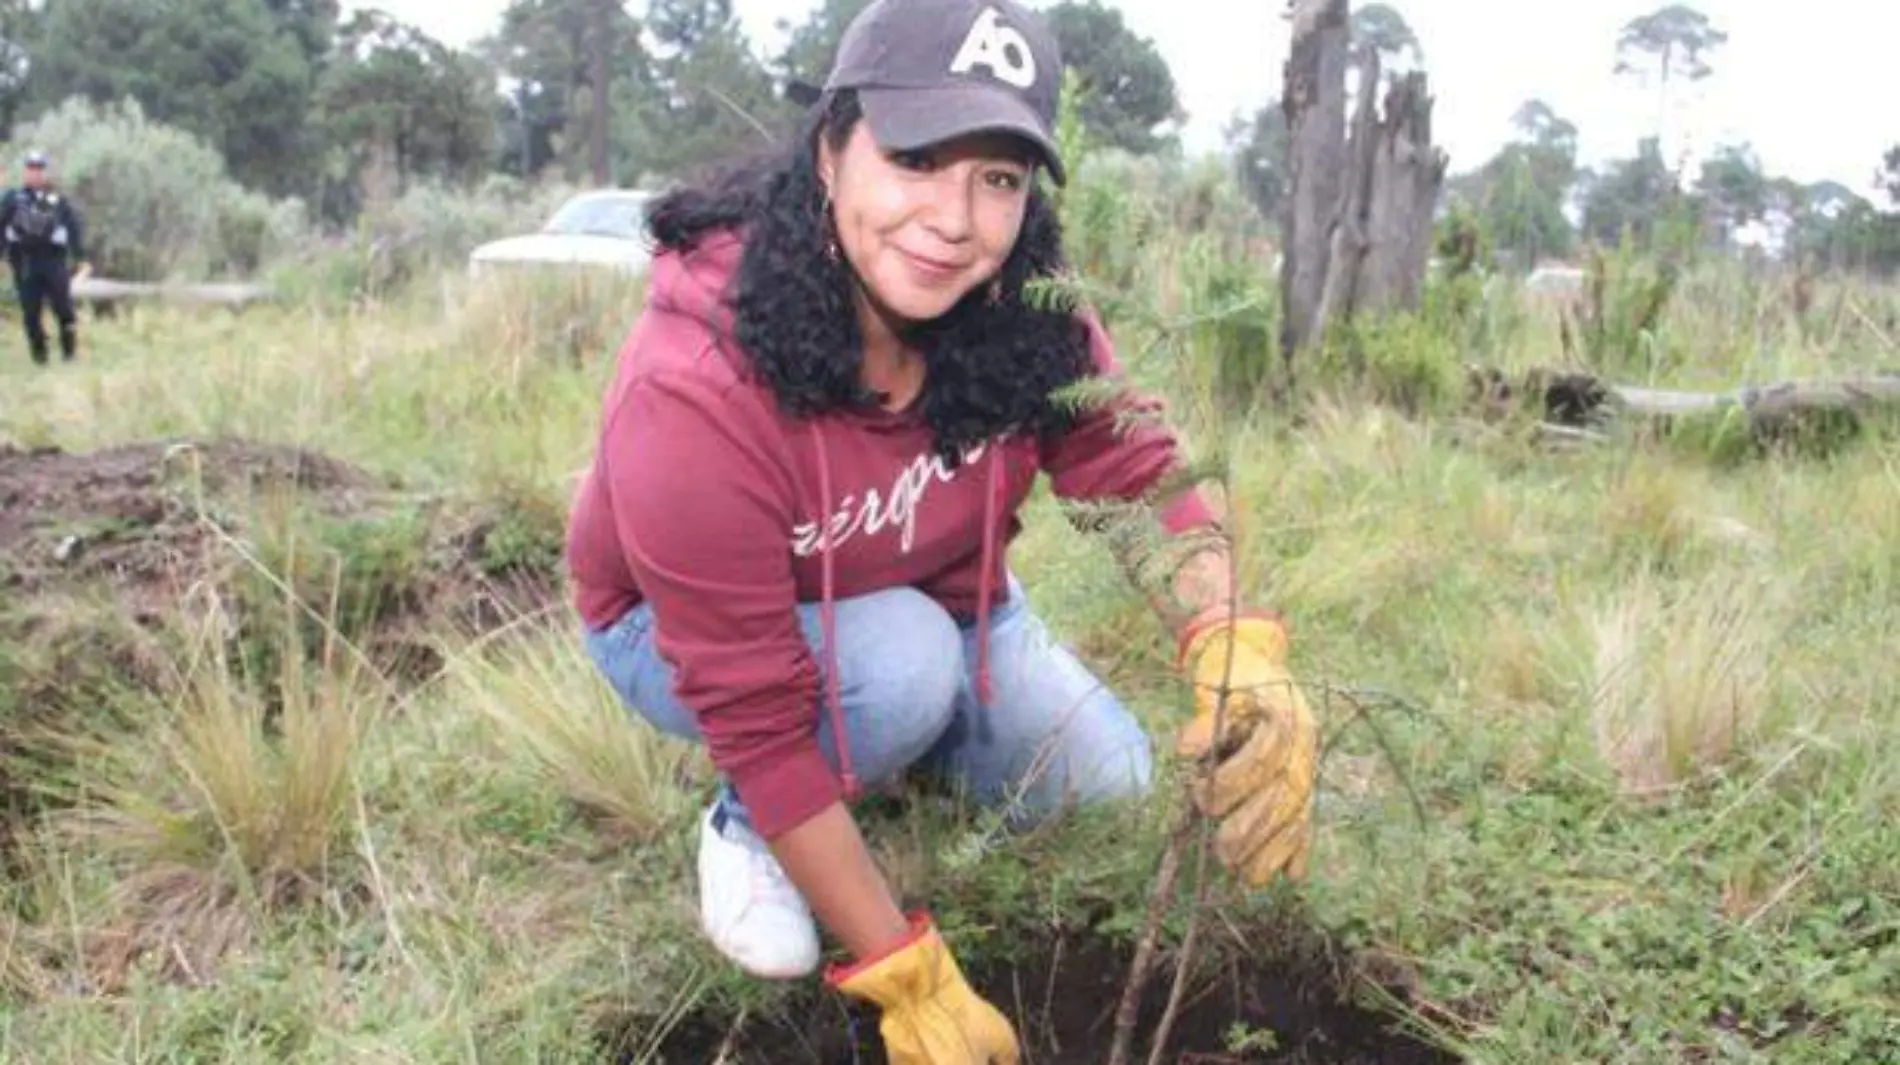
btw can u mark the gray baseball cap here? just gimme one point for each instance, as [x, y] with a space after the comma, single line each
[929, 70]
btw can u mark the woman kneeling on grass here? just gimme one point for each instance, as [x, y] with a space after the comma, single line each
[790, 546]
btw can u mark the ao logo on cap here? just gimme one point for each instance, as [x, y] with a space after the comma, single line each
[999, 47]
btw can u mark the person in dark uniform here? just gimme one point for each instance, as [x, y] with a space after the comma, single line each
[44, 235]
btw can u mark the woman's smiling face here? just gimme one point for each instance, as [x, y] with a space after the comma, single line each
[923, 228]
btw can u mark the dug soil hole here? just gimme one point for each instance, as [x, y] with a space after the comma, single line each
[1062, 994]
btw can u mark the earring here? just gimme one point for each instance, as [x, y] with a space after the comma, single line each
[831, 227]
[996, 291]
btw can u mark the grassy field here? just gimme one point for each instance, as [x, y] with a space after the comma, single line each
[1612, 729]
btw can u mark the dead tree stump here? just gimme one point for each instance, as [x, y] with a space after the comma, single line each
[1408, 174]
[1361, 203]
[1314, 102]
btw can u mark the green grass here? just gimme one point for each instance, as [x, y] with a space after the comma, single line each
[1645, 701]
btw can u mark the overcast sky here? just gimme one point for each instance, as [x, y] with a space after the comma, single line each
[1801, 81]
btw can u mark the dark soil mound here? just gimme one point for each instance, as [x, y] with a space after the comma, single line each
[132, 513]
[154, 519]
[101, 552]
[1062, 994]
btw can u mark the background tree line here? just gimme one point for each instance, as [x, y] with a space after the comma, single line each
[302, 101]
[340, 113]
[1534, 200]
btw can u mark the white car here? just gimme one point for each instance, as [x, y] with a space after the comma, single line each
[603, 228]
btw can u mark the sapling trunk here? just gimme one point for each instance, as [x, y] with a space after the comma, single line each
[1128, 1010]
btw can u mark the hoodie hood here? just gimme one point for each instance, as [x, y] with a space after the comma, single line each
[695, 282]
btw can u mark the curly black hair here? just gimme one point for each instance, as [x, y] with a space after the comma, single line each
[993, 365]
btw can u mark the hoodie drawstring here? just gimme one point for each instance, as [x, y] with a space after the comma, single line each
[992, 502]
[991, 489]
[828, 618]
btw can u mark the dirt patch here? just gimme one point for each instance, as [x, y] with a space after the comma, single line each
[136, 514]
[101, 552]
[153, 520]
[1294, 1006]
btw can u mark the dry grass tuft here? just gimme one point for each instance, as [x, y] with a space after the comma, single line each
[547, 702]
[1652, 508]
[1683, 676]
[22, 976]
[239, 805]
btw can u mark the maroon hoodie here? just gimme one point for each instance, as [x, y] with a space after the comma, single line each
[702, 500]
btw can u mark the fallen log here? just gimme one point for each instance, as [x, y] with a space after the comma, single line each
[1575, 405]
[1781, 399]
[98, 291]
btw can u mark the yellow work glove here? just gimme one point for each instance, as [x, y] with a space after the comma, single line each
[1260, 784]
[930, 1015]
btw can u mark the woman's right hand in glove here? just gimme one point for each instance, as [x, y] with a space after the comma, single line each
[931, 1016]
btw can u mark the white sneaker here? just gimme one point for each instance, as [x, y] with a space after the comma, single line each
[751, 910]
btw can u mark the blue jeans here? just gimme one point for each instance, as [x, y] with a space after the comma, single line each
[1053, 732]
